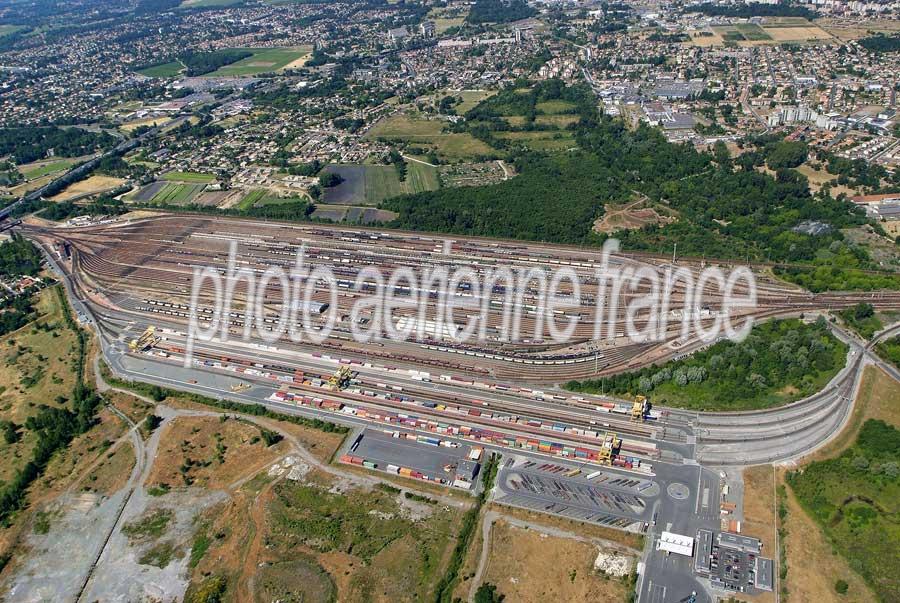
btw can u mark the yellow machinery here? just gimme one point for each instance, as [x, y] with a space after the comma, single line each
[240, 387]
[341, 378]
[639, 408]
[146, 340]
[610, 447]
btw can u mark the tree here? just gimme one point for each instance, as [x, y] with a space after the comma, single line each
[157, 393]
[487, 593]
[330, 179]
[786, 154]
[841, 587]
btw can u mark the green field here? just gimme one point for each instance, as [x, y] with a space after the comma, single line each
[259, 197]
[32, 171]
[171, 69]
[5, 30]
[406, 126]
[752, 32]
[470, 98]
[855, 498]
[177, 193]
[264, 60]
[209, 3]
[541, 140]
[383, 182]
[741, 32]
[421, 177]
[554, 107]
[188, 177]
[427, 135]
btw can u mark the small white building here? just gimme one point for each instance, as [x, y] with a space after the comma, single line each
[675, 543]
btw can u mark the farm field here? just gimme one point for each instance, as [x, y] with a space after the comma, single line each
[42, 168]
[541, 140]
[844, 31]
[131, 126]
[208, 3]
[371, 184]
[170, 69]
[169, 193]
[793, 33]
[425, 135]
[743, 32]
[773, 31]
[5, 30]
[421, 177]
[752, 32]
[90, 186]
[195, 177]
[265, 60]
[259, 197]
[353, 214]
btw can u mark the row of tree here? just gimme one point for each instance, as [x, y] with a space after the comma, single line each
[736, 375]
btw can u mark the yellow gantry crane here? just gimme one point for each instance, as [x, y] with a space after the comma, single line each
[341, 378]
[639, 408]
[610, 447]
[146, 340]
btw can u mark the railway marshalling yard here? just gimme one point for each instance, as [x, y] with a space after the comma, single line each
[431, 409]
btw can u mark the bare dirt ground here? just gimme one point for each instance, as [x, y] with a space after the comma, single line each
[845, 30]
[759, 513]
[210, 453]
[528, 566]
[111, 473]
[883, 251]
[892, 227]
[93, 184]
[630, 216]
[818, 177]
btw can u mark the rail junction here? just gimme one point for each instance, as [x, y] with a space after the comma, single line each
[623, 463]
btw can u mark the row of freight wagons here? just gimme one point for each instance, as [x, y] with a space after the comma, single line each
[481, 435]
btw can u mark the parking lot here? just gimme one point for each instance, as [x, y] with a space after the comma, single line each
[732, 570]
[609, 479]
[608, 498]
[732, 562]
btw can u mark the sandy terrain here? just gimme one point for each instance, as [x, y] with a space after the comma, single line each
[800, 34]
[297, 63]
[527, 567]
[92, 185]
[209, 453]
[629, 217]
[759, 513]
